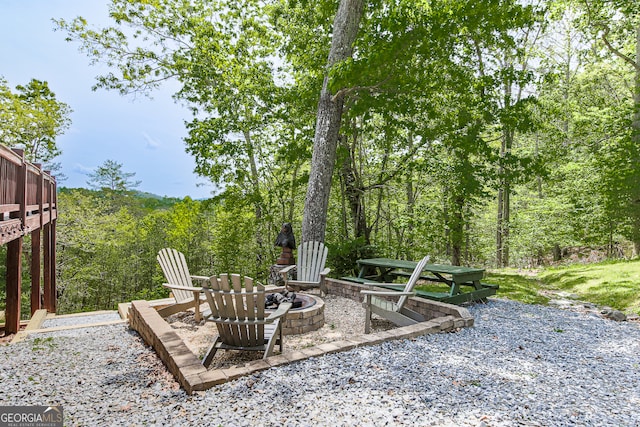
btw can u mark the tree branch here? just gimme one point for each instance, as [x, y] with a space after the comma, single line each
[348, 90]
[616, 52]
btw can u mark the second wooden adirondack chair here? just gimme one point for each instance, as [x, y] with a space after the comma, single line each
[394, 311]
[311, 271]
[240, 317]
[180, 281]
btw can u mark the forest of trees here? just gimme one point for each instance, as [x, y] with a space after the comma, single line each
[493, 134]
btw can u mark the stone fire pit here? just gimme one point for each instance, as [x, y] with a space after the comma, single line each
[306, 318]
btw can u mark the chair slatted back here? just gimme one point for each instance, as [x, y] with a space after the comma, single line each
[175, 269]
[412, 281]
[311, 259]
[237, 313]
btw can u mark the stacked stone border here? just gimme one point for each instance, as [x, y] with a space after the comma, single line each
[192, 376]
[303, 321]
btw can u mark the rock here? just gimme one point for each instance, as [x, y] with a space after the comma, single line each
[616, 315]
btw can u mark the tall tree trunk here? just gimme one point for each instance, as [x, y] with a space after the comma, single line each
[411, 201]
[506, 225]
[343, 209]
[445, 215]
[467, 235]
[257, 197]
[504, 192]
[293, 191]
[457, 230]
[345, 30]
[499, 224]
[355, 193]
[635, 124]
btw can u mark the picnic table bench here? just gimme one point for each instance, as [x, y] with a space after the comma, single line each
[381, 271]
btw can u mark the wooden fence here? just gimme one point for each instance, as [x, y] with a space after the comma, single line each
[27, 206]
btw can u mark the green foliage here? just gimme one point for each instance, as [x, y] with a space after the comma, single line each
[442, 109]
[110, 177]
[235, 246]
[107, 247]
[342, 256]
[33, 118]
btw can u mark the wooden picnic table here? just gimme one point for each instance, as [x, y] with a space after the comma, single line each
[381, 271]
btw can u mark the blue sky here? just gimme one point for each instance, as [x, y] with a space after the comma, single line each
[144, 135]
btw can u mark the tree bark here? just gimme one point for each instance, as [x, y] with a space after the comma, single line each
[355, 194]
[499, 225]
[504, 192]
[329, 116]
[457, 227]
[257, 198]
[635, 138]
[411, 202]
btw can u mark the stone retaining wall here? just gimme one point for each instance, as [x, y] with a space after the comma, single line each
[428, 308]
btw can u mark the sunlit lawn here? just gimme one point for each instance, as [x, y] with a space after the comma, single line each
[614, 284]
[515, 286]
[512, 285]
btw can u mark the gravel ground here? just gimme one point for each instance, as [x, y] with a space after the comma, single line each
[80, 320]
[520, 365]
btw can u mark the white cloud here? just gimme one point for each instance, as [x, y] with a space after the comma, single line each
[82, 169]
[152, 144]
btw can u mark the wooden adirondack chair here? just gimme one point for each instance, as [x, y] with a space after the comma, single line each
[175, 269]
[395, 312]
[240, 317]
[310, 268]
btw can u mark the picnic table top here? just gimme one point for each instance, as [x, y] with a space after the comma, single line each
[460, 276]
[410, 265]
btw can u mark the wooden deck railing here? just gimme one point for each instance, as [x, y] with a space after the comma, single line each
[27, 206]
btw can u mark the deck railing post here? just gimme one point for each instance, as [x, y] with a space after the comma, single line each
[36, 293]
[54, 291]
[49, 255]
[14, 286]
[14, 256]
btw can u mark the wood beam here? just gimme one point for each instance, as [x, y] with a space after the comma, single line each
[35, 271]
[47, 268]
[52, 266]
[14, 286]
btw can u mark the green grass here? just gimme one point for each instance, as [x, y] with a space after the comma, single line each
[612, 283]
[512, 285]
[516, 286]
[615, 284]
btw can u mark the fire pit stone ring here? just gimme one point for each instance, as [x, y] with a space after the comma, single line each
[306, 318]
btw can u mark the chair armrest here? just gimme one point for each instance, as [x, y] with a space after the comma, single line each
[280, 312]
[285, 272]
[386, 293]
[325, 271]
[287, 268]
[183, 288]
[203, 278]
